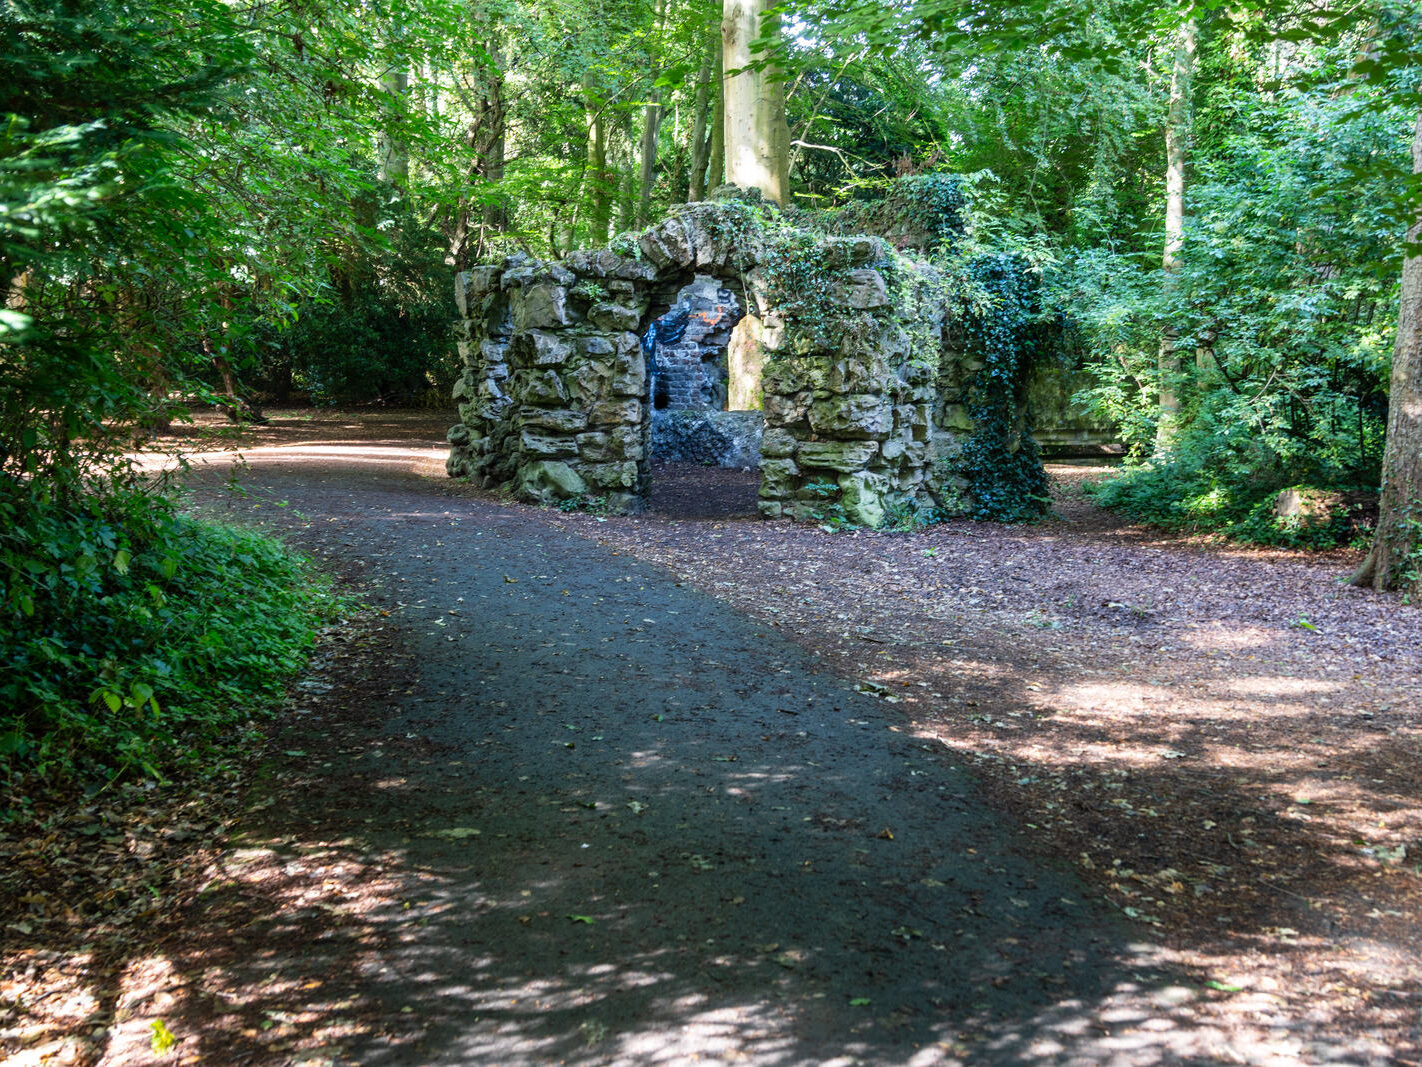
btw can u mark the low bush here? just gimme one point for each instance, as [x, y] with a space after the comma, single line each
[1232, 489]
[378, 333]
[368, 349]
[132, 637]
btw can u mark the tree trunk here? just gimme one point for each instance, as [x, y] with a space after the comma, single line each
[485, 212]
[652, 122]
[716, 164]
[626, 170]
[700, 146]
[650, 128]
[491, 148]
[1177, 138]
[393, 155]
[1395, 560]
[757, 138]
[238, 408]
[599, 183]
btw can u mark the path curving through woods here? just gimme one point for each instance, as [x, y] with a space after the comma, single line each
[587, 814]
[550, 803]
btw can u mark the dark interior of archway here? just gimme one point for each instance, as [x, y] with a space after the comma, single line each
[685, 337]
[699, 469]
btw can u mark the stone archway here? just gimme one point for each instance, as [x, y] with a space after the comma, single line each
[703, 369]
[863, 390]
[556, 400]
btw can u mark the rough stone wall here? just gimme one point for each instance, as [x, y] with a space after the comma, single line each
[552, 395]
[858, 417]
[555, 399]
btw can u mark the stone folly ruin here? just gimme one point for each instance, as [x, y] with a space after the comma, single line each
[719, 335]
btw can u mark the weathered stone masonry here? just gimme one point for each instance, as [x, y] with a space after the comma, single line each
[555, 399]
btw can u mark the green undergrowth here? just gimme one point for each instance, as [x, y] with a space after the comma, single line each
[1189, 496]
[136, 639]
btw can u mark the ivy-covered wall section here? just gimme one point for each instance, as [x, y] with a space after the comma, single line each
[893, 384]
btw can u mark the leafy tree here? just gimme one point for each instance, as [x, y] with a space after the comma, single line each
[127, 634]
[96, 235]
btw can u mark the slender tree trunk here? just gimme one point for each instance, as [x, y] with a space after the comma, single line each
[716, 164]
[626, 169]
[492, 148]
[757, 138]
[598, 181]
[652, 124]
[238, 408]
[393, 155]
[1395, 560]
[1177, 139]
[476, 216]
[700, 146]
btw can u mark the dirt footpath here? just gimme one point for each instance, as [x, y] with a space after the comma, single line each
[551, 802]
[583, 813]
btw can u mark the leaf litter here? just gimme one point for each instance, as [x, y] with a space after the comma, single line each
[1215, 846]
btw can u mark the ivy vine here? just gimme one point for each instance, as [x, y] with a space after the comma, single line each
[1001, 460]
[993, 299]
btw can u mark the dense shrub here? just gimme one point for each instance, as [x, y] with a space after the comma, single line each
[130, 636]
[380, 332]
[1282, 314]
[371, 348]
[1226, 479]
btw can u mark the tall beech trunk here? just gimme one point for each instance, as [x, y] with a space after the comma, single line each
[705, 100]
[1177, 139]
[757, 138]
[1395, 560]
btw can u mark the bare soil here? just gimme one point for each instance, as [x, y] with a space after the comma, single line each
[1217, 746]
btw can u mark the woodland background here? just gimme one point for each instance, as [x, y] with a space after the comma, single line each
[242, 200]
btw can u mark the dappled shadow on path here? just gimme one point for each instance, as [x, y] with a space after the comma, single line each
[554, 807]
[561, 809]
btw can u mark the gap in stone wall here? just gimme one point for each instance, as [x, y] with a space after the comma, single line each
[694, 339]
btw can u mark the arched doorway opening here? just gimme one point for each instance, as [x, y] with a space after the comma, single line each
[700, 339]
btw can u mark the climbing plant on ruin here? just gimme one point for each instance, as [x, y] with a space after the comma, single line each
[891, 383]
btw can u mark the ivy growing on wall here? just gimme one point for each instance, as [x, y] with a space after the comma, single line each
[992, 301]
[925, 211]
[803, 287]
[1005, 333]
